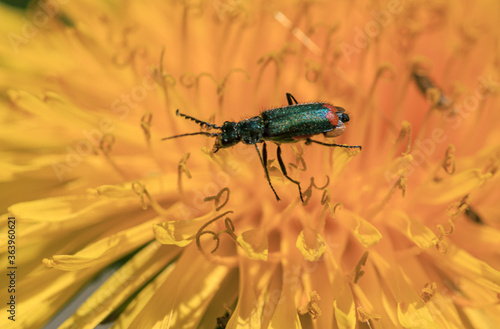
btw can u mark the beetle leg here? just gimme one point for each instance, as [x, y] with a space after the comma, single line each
[309, 141]
[263, 160]
[291, 99]
[283, 170]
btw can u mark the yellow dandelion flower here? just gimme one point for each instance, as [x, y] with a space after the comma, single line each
[401, 234]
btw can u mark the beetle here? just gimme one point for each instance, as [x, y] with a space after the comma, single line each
[425, 83]
[288, 124]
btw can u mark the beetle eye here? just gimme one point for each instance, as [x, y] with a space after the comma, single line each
[344, 117]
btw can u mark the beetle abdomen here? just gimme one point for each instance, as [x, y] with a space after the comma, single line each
[286, 124]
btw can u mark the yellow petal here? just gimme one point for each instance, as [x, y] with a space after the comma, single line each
[476, 270]
[180, 232]
[135, 307]
[121, 285]
[225, 297]
[415, 315]
[346, 319]
[483, 317]
[454, 187]
[342, 157]
[312, 247]
[61, 209]
[415, 230]
[182, 300]
[254, 243]
[285, 315]
[114, 191]
[44, 294]
[363, 230]
[344, 306]
[255, 305]
[105, 250]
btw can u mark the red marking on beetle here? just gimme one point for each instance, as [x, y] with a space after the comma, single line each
[332, 114]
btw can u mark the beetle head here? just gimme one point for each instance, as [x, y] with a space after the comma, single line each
[227, 137]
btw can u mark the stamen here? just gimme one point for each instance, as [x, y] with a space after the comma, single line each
[399, 184]
[188, 80]
[125, 32]
[277, 57]
[492, 166]
[312, 306]
[365, 317]
[327, 51]
[453, 211]
[146, 126]
[491, 89]
[217, 198]
[222, 85]
[326, 199]
[337, 205]
[196, 8]
[195, 82]
[127, 57]
[230, 10]
[211, 78]
[124, 54]
[369, 130]
[313, 71]
[299, 159]
[428, 291]
[405, 132]
[459, 207]
[182, 168]
[106, 145]
[141, 191]
[229, 230]
[358, 272]
[381, 71]
[448, 163]
[442, 246]
[308, 192]
[434, 95]
[324, 186]
[165, 80]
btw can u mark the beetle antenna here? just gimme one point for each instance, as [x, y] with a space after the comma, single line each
[191, 134]
[201, 123]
